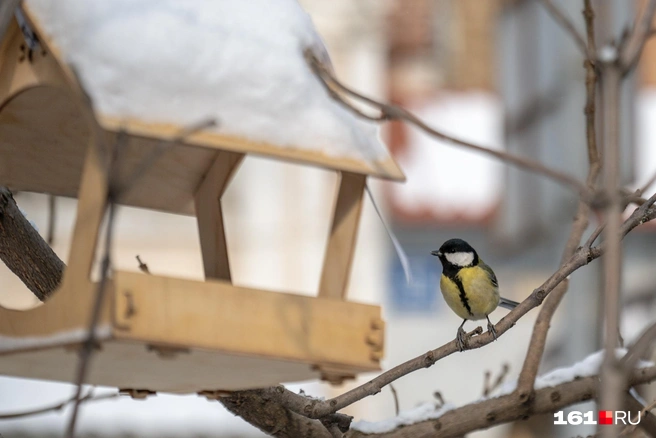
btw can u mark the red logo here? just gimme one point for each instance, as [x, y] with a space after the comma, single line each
[605, 417]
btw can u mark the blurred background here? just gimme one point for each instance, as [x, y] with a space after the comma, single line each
[498, 73]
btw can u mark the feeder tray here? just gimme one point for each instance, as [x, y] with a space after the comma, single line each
[159, 333]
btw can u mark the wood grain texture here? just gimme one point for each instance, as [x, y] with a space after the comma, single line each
[216, 315]
[343, 236]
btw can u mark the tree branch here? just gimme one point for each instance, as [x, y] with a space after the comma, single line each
[568, 26]
[24, 252]
[259, 409]
[58, 406]
[611, 396]
[491, 412]
[394, 112]
[638, 349]
[581, 220]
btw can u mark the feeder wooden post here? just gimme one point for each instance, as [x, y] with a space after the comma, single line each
[209, 215]
[343, 236]
[91, 209]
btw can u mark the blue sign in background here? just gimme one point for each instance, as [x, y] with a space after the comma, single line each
[422, 295]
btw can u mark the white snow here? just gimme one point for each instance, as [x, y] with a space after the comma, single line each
[587, 367]
[422, 412]
[185, 61]
[8, 343]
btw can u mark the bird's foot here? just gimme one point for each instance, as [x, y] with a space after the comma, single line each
[491, 329]
[461, 337]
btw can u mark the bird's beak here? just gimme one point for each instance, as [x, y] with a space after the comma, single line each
[436, 253]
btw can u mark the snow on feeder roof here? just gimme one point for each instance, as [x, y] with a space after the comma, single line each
[179, 62]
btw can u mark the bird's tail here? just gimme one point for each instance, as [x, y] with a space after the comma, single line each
[508, 304]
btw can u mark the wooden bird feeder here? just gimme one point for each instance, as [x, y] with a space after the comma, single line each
[159, 333]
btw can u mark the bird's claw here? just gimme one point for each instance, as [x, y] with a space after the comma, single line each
[491, 329]
[461, 339]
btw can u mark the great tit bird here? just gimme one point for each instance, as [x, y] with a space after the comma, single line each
[468, 285]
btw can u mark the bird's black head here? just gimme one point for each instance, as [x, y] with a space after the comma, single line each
[456, 253]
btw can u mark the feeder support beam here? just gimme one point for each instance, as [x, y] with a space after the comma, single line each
[91, 207]
[343, 235]
[209, 214]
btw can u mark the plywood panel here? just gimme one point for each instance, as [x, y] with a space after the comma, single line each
[130, 365]
[217, 315]
[174, 335]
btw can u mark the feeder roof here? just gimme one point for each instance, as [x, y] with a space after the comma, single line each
[154, 68]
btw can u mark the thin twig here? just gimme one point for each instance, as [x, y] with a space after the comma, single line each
[648, 184]
[395, 112]
[58, 406]
[567, 24]
[639, 348]
[489, 386]
[396, 399]
[142, 266]
[52, 219]
[594, 160]
[439, 400]
[647, 420]
[90, 343]
[595, 234]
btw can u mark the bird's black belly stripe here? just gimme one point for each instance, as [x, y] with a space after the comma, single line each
[463, 296]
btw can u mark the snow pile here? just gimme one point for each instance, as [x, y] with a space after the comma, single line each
[587, 367]
[186, 61]
[424, 411]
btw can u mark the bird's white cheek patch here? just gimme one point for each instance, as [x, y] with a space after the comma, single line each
[460, 258]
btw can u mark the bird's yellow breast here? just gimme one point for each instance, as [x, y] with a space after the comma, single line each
[480, 296]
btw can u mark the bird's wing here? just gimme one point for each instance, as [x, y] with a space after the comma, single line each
[490, 273]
